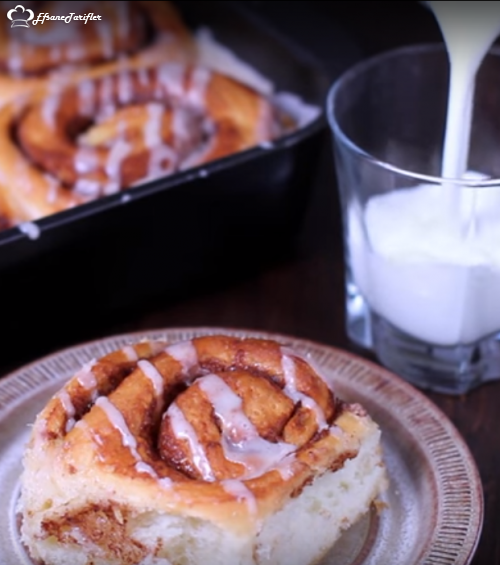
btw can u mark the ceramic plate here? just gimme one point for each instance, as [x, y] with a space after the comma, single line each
[434, 507]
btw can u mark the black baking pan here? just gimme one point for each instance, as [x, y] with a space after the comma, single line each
[185, 232]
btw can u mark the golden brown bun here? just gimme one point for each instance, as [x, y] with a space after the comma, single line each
[103, 135]
[221, 432]
[6, 221]
[129, 34]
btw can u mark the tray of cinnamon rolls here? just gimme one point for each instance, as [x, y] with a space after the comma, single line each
[120, 97]
[127, 127]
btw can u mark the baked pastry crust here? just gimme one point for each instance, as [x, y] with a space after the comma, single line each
[102, 135]
[218, 437]
[130, 34]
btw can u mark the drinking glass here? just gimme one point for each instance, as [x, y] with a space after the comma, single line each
[422, 253]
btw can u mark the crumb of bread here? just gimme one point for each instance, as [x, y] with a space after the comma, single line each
[300, 533]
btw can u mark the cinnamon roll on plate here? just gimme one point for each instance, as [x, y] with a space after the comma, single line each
[128, 33]
[217, 450]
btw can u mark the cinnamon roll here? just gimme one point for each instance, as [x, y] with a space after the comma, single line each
[219, 450]
[106, 134]
[6, 221]
[127, 34]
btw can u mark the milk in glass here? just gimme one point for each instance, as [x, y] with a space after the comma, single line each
[428, 258]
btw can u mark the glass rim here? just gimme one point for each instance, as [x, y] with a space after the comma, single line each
[339, 134]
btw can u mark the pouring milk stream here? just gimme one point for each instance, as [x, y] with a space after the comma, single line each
[431, 265]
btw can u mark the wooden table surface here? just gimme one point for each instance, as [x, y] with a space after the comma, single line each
[303, 295]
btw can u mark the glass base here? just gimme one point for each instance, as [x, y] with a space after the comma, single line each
[449, 370]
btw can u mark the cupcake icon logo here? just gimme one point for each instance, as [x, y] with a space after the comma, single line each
[20, 16]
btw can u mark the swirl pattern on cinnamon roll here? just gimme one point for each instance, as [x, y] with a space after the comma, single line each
[106, 134]
[128, 33]
[206, 447]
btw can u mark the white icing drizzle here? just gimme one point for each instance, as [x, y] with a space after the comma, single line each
[152, 127]
[240, 439]
[87, 187]
[182, 429]
[86, 94]
[263, 127]
[30, 229]
[86, 377]
[288, 366]
[165, 482]
[152, 374]
[181, 123]
[309, 359]
[170, 77]
[66, 402]
[75, 52]
[125, 87]
[294, 106]
[117, 154]
[130, 353]
[159, 152]
[266, 145]
[68, 407]
[143, 76]
[52, 193]
[337, 431]
[111, 187]
[239, 490]
[15, 59]
[200, 77]
[143, 467]
[86, 160]
[49, 110]
[106, 93]
[117, 420]
[184, 353]
[52, 189]
[106, 98]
